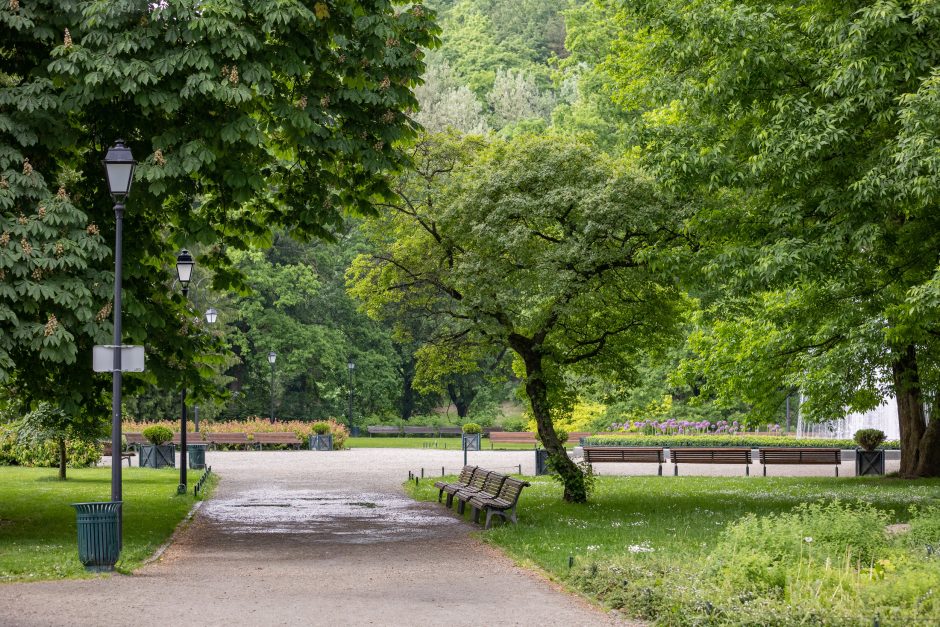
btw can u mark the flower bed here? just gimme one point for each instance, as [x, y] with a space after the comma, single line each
[722, 440]
[251, 426]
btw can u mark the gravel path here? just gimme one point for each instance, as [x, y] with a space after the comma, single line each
[316, 538]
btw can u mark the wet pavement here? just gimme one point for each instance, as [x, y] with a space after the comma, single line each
[301, 537]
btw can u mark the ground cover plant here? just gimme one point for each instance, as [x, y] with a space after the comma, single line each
[736, 551]
[38, 537]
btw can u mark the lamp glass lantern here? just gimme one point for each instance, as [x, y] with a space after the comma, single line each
[272, 356]
[212, 315]
[184, 267]
[119, 165]
[351, 365]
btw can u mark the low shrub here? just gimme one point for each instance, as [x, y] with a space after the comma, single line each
[14, 452]
[472, 427]
[320, 428]
[157, 434]
[869, 439]
[722, 440]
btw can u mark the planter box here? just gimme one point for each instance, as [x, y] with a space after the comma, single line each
[162, 456]
[541, 461]
[471, 441]
[321, 442]
[869, 463]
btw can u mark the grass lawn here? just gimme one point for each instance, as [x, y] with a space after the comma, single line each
[724, 551]
[38, 537]
[416, 442]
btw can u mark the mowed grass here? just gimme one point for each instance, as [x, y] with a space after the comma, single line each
[450, 444]
[38, 537]
[656, 548]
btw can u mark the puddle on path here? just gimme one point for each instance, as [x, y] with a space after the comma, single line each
[329, 517]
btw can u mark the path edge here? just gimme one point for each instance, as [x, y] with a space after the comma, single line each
[182, 526]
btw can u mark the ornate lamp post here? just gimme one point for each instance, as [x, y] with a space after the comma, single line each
[272, 357]
[119, 167]
[350, 366]
[184, 273]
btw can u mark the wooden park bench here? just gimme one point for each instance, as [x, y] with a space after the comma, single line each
[463, 481]
[134, 439]
[192, 437]
[625, 454]
[106, 452]
[503, 504]
[233, 439]
[711, 456]
[527, 437]
[781, 455]
[449, 430]
[383, 430]
[418, 430]
[491, 486]
[288, 438]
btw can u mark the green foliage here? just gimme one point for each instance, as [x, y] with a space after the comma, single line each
[869, 439]
[320, 428]
[157, 434]
[722, 440]
[472, 427]
[24, 451]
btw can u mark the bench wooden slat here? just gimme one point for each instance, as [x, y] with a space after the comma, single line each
[625, 454]
[799, 456]
[503, 504]
[277, 437]
[491, 486]
[383, 430]
[711, 456]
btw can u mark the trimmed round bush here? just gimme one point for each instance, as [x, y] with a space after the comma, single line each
[320, 428]
[157, 435]
[869, 439]
[472, 427]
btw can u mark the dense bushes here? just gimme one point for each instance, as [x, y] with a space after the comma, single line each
[14, 452]
[255, 425]
[721, 440]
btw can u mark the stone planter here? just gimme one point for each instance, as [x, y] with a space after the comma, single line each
[869, 463]
[471, 441]
[157, 456]
[321, 442]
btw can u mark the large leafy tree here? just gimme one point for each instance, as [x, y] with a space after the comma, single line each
[535, 245]
[244, 116]
[811, 132]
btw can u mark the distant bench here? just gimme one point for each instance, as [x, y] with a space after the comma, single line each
[625, 454]
[106, 452]
[710, 456]
[231, 439]
[793, 456]
[527, 437]
[288, 438]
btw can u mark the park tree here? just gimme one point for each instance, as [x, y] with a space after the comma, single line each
[535, 245]
[809, 133]
[47, 422]
[244, 117]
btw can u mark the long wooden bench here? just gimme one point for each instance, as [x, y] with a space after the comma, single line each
[233, 439]
[288, 438]
[134, 439]
[491, 486]
[192, 437]
[463, 481]
[449, 430]
[800, 456]
[711, 456]
[625, 454]
[503, 504]
[527, 437]
[106, 452]
[383, 430]
[419, 430]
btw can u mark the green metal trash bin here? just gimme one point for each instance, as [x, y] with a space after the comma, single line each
[99, 538]
[197, 456]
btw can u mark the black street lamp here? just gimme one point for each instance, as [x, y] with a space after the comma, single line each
[350, 366]
[184, 273]
[119, 167]
[272, 357]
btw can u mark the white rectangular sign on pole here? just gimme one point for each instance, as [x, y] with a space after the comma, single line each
[132, 358]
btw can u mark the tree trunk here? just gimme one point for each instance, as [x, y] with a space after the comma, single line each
[63, 459]
[537, 390]
[920, 442]
[458, 397]
[407, 372]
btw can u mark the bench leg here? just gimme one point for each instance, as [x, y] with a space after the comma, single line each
[660, 470]
[460, 506]
[837, 471]
[675, 470]
[440, 495]
[765, 470]
[747, 471]
[476, 514]
[449, 501]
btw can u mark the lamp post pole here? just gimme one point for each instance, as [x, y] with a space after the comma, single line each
[184, 273]
[272, 356]
[119, 168]
[350, 366]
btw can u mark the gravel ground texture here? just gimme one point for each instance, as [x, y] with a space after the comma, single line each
[313, 538]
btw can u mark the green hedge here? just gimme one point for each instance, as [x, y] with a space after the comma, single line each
[754, 441]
